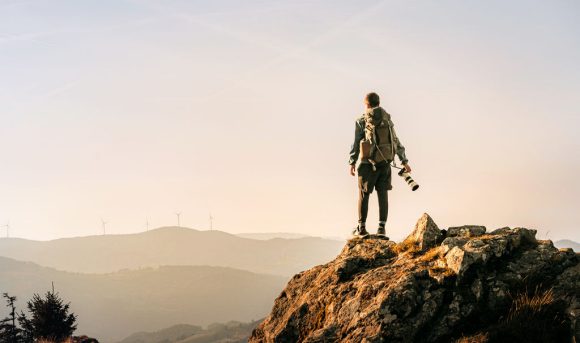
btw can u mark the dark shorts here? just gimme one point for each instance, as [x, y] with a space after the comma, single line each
[369, 179]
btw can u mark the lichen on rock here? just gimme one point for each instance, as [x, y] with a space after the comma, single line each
[435, 286]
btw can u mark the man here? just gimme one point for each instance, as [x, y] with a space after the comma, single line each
[377, 143]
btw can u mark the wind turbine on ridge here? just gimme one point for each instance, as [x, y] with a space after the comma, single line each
[178, 214]
[104, 223]
[7, 227]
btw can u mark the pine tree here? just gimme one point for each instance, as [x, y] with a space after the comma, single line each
[9, 332]
[50, 319]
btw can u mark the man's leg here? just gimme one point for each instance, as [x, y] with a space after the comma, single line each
[383, 196]
[363, 207]
[366, 180]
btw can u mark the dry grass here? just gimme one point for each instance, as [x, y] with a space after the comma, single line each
[532, 304]
[409, 245]
[479, 338]
[430, 255]
[534, 317]
[486, 236]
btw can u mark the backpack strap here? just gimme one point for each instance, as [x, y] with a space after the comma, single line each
[392, 136]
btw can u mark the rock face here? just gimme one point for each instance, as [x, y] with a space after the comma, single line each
[437, 286]
[426, 233]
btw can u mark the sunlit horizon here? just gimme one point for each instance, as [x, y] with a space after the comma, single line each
[130, 111]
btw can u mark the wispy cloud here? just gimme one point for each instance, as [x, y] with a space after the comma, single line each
[59, 89]
[285, 52]
[31, 36]
[40, 36]
[15, 3]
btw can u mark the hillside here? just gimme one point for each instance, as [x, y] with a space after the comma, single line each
[566, 243]
[112, 306]
[271, 235]
[173, 246]
[231, 332]
[456, 285]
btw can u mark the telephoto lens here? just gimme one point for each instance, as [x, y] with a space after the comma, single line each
[407, 177]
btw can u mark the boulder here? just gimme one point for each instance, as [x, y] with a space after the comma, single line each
[426, 233]
[466, 230]
[375, 292]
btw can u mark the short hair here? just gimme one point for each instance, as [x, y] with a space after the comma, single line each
[373, 99]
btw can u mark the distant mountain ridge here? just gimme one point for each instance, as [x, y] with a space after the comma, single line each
[173, 246]
[285, 235]
[231, 332]
[272, 235]
[566, 243]
[115, 305]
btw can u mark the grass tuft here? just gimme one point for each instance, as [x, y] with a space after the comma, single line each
[479, 338]
[533, 317]
[409, 245]
[530, 305]
[430, 255]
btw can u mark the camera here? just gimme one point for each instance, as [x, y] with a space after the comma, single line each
[407, 177]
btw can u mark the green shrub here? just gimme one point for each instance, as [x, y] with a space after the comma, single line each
[49, 319]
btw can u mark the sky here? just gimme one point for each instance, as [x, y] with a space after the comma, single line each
[130, 111]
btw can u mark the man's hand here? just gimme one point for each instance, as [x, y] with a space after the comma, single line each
[407, 168]
[352, 168]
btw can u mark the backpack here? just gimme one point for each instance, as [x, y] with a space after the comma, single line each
[377, 145]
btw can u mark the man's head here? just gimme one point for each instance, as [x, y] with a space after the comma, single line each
[372, 100]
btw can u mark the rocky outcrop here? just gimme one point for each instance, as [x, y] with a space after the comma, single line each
[426, 233]
[460, 284]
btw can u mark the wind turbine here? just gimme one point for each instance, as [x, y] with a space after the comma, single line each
[104, 223]
[147, 224]
[210, 222]
[7, 226]
[178, 214]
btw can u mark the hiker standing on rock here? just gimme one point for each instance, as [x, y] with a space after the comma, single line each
[377, 143]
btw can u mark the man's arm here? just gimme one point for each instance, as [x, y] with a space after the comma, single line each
[400, 149]
[355, 148]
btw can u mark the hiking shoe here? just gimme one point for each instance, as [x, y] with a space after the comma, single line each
[381, 231]
[360, 231]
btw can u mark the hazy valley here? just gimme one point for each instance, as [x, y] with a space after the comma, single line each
[166, 284]
[173, 246]
[112, 306]
[122, 284]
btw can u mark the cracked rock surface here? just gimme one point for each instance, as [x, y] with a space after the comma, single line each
[435, 286]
